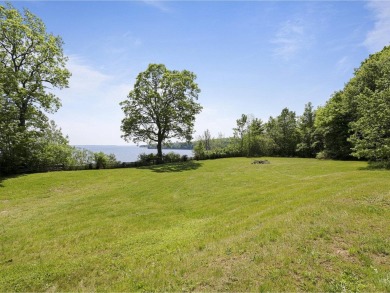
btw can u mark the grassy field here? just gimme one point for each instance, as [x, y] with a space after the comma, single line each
[222, 225]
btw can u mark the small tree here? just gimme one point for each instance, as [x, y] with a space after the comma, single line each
[240, 130]
[254, 138]
[306, 146]
[161, 106]
[207, 139]
[103, 160]
[284, 132]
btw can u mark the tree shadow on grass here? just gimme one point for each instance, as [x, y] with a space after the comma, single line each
[173, 167]
[6, 177]
[376, 166]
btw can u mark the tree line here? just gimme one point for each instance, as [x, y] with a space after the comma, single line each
[353, 124]
[285, 135]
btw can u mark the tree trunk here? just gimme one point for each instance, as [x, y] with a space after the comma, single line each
[159, 151]
[22, 114]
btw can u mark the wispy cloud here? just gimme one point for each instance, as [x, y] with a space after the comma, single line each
[120, 43]
[379, 36]
[159, 4]
[290, 39]
[344, 65]
[84, 78]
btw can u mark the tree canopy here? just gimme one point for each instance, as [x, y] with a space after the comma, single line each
[370, 89]
[161, 106]
[333, 127]
[284, 132]
[31, 62]
[356, 120]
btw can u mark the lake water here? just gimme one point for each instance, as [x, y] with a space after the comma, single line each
[129, 153]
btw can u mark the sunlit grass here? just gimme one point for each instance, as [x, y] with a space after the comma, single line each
[223, 225]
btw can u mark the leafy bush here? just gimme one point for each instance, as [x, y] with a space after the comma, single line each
[220, 153]
[103, 161]
[323, 155]
[152, 159]
[147, 159]
[171, 157]
[81, 157]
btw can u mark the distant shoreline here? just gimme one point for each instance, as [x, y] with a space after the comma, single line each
[130, 153]
[152, 147]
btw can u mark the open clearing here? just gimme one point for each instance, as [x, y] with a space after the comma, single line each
[222, 225]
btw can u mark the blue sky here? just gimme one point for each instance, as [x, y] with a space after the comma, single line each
[250, 57]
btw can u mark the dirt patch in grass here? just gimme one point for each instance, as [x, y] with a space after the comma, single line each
[224, 273]
[340, 249]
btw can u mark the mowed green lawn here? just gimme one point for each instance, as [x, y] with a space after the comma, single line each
[221, 225]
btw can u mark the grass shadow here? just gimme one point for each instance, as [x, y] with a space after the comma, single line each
[376, 166]
[6, 177]
[173, 167]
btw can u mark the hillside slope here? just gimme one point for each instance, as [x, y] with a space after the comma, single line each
[222, 225]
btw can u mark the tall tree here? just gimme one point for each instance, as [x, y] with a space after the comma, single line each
[332, 125]
[161, 106]
[370, 89]
[355, 121]
[31, 61]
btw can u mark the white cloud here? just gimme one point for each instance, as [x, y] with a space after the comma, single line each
[90, 112]
[291, 38]
[379, 36]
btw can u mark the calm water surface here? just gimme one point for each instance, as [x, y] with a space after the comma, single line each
[129, 153]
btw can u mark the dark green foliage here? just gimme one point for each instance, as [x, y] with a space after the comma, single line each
[355, 121]
[333, 127]
[171, 157]
[228, 152]
[370, 90]
[283, 130]
[255, 142]
[103, 160]
[153, 159]
[31, 151]
[307, 147]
